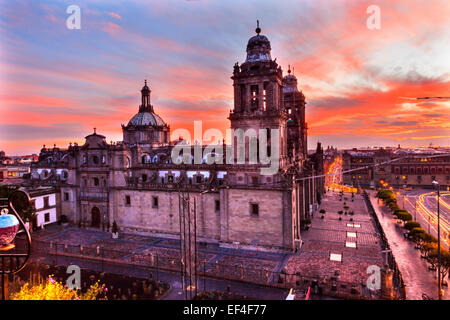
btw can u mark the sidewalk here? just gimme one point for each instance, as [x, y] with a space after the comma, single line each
[418, 279]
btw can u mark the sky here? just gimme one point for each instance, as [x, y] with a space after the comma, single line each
[363, 86]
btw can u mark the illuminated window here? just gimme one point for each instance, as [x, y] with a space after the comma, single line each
[351, 234]
[254, 93]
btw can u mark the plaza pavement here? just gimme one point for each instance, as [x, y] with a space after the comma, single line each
[329, 236]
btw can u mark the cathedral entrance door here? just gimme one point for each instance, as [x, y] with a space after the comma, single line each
[95, 217]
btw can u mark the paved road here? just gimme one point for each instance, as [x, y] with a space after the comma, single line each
[423, 206]
[417, 277]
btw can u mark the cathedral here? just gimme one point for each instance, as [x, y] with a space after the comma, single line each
[136, 184]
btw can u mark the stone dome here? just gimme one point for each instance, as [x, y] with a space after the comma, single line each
[142, 119]
[290, 82]
[258, 48]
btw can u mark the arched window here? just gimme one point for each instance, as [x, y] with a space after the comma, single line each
[95, 159]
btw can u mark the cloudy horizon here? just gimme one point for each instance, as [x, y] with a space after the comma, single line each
[363, 87]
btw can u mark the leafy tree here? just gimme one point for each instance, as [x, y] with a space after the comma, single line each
[404, 216]
[53, 290]
[411, 225]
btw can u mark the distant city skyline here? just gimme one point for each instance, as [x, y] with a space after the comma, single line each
[363, 87]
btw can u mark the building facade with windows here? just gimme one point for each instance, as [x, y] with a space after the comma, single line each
[44, 202]
[397, 167]
[135, 183]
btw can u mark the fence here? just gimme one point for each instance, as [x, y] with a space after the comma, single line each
[399, 286]
[157, 262]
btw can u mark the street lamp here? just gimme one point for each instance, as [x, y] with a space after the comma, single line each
[436, 186]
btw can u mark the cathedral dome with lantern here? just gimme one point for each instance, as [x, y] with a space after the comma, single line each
[258, 47]
[146, 126]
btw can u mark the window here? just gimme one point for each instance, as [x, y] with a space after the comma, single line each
[254, 180]
[170, 178]
[95, 159]
[66, 196]
[96, 181]
[254, 209]
[103, 159]
[155, 202]
[47, 217]
[217, 205]
[127, 200]
[265, 96]
[254, 101]
[144, 178]
[84, 159]
[46, 202]
[199, 179]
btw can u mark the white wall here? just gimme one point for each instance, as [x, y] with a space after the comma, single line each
[40, 214]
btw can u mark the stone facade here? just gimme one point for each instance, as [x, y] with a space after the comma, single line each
[136, 184]
[397, 167]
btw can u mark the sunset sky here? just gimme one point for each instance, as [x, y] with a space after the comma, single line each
[361, 85]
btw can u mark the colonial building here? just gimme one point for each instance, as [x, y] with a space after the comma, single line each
[397, 167]
[136, 183]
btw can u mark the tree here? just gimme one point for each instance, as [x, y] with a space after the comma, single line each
[404, 216]
[411, 225]
[322, 211]
[53, 290]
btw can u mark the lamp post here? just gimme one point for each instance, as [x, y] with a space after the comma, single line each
[436, 186]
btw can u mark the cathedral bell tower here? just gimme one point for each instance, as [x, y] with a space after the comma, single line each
[258, 95]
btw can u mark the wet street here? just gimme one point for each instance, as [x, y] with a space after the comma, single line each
[416, 275]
